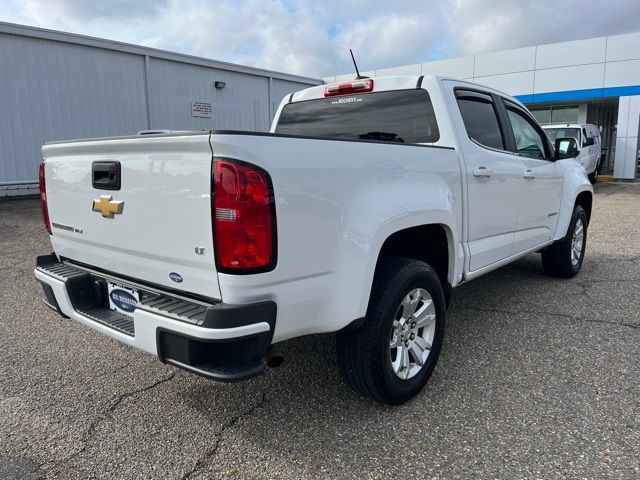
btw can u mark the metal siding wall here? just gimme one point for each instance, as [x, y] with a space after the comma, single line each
[241, 105]
[52, 91]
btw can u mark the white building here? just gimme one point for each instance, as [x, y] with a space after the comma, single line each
[586, 81]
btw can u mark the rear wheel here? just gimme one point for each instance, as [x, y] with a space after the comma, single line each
[564, 259]
[593, 177]
[393, 354]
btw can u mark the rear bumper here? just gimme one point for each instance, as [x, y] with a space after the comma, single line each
[216, 340]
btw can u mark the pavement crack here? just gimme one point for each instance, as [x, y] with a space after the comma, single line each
[208, 457]
[106, 413]
[118, 400]
[584, 289]
[553, 314]
[117, 369]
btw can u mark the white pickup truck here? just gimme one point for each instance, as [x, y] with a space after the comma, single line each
[360, 211]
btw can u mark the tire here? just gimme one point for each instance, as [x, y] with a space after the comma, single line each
[593, 177]
[558, 260]
[365, 355]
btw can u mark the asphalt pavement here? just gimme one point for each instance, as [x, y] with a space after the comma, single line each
[538, 378]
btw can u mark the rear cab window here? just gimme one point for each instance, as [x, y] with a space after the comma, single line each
[398, 116]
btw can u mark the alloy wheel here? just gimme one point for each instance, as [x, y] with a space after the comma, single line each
[577, 242]
[412, 333]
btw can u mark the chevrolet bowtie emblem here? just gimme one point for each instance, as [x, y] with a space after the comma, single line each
[107, 207]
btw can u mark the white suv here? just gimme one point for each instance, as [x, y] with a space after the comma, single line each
[588, 137]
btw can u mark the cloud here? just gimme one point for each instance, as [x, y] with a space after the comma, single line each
[313, 38]
[254, 32]
[71, 12]
[387, 40]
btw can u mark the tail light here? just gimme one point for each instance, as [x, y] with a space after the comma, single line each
[348, 88]
[43, 199]
[243, 217]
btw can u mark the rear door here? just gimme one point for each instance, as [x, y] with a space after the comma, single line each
[137, 207]
[493, 177]
[540, 188]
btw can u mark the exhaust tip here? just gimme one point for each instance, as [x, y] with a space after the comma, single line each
[274, 358]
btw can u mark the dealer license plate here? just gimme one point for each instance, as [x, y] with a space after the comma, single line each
[122, 299]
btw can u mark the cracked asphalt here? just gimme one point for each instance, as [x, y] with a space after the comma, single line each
[539, 378]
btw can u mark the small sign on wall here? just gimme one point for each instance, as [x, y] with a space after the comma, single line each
[201, 109]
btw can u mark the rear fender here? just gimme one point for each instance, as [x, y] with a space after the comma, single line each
[441, 212]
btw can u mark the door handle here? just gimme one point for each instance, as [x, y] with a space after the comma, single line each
[529, 174]
[105, 175]
[482, 172]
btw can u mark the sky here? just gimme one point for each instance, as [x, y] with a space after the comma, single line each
[312, 38]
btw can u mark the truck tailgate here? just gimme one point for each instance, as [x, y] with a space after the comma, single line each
[160, 233]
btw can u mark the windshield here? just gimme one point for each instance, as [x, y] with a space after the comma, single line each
[401, 116]
[554, 133]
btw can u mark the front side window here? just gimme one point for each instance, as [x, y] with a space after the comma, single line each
[400, 116]
[529, 141]
[480, 119]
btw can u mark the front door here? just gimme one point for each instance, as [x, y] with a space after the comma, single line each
[540, 189]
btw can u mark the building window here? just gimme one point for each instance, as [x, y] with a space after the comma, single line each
[564, 114]
[543, 116]
[550, 115]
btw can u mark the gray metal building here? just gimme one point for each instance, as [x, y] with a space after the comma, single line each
[56, 85]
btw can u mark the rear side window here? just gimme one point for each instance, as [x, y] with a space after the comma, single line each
[480, 118]
[401, 116]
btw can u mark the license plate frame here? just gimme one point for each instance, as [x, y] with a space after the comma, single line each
[122, 299]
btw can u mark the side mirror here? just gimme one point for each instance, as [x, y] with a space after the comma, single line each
[566, 148]
[589, 141]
